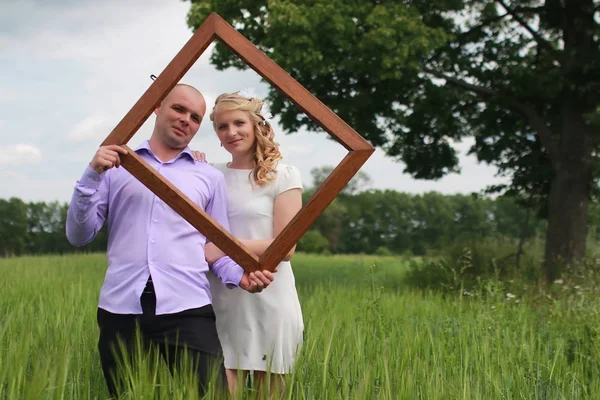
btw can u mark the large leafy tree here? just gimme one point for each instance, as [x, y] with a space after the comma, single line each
[412, 76]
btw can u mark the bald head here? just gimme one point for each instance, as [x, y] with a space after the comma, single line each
[190, 93]
[178, 117]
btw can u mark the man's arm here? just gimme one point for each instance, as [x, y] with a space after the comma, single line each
[88, 208]
[89, 203]
[227, 270]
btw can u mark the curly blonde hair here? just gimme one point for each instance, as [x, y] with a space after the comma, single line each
[266, 150]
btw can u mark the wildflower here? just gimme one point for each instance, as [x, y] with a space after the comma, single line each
[510, 296]
[559, 281]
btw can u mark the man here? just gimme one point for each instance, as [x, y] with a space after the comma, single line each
[156, 277]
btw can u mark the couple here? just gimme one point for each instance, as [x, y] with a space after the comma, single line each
[158, 276]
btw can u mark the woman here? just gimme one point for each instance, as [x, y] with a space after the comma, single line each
[259, 332]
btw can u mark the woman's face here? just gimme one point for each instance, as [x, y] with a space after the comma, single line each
[235, 130]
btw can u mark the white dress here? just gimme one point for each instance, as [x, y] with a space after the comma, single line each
[258, 331]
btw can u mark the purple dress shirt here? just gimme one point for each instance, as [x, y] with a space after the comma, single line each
[145, 236]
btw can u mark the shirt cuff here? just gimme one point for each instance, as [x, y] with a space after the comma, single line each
[232, 272]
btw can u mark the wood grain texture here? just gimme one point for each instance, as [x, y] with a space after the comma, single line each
[302, 221]
[189, 210]
[284, 82]
[165, 82]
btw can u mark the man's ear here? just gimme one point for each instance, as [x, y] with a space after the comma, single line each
[156, 110]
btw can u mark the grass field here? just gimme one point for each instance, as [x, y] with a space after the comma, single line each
[368, 336]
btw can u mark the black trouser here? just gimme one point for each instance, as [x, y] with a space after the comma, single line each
[191, 332]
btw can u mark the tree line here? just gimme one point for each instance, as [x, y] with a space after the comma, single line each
[38, 228]
[366, 221]
[391, 222]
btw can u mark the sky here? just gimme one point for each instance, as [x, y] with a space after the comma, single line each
[71, 69]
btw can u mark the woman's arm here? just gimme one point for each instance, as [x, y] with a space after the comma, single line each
[286, 206]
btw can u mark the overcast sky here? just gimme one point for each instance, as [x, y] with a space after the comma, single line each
[70, 70]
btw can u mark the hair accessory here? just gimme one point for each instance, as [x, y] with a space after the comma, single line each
[265, 110]
[249, 93]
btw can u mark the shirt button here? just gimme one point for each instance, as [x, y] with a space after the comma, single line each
[153, 241]
[155, 220]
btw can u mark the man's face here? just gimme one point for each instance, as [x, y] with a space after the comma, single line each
[179, 116]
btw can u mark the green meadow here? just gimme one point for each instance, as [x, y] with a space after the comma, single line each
[368, 335]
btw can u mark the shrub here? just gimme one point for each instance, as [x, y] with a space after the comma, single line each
[313, 242]
[462, 265]
[383, 251]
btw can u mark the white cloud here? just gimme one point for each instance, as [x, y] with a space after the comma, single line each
[210, 99]
[29, 188]
[97, 63]
[91, 84]
[20, 154]
[91, 128]
[6, 96]
[299, 149]
[11, 175]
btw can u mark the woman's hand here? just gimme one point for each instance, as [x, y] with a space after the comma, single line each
[212, 253]
[256, 282]
[199, 156]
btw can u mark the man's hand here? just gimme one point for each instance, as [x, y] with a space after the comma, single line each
[255, 282]
[198, 156]
[107, 157]
[212, 253]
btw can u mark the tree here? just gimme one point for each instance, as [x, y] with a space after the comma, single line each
[46, 228]
[13, 226]
[379, 219]
[332, 222]
[313, 242]
[432, 221]
[520, 76]
[361, 181]
[472, 217]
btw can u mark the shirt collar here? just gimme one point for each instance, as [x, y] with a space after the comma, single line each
[186, 152]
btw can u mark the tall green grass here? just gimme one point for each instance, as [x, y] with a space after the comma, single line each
[367, 336]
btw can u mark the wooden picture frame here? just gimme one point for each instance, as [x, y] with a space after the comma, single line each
[359, 150]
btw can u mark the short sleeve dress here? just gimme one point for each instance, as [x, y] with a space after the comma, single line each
[258, 331]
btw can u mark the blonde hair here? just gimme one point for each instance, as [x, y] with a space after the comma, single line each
[266, 150]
